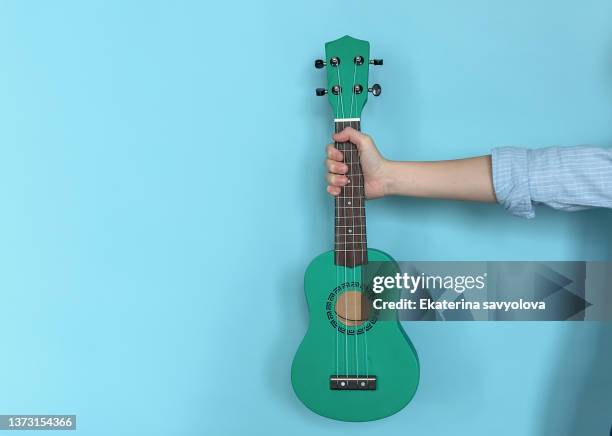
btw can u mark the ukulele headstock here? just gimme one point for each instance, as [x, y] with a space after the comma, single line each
[347, 62]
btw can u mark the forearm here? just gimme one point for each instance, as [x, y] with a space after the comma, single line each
[464, 179]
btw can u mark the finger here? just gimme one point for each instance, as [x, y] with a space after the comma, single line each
[336, 167]
[336, 180]
[353, 136]
[334, 153]
[333, 190]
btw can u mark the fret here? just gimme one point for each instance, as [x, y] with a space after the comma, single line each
[350, 243]
[357, 244]
[347, 235]
[349, 203]
[361, 241]
[349, 207]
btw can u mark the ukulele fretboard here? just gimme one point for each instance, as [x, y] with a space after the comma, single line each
[350, 222]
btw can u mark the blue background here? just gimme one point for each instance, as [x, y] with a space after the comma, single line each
[161, 178]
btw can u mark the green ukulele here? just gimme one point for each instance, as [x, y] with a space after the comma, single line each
[350, 366]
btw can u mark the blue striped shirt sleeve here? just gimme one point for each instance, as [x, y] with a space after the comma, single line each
[566, 178]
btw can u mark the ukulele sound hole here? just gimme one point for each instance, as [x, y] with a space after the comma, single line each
[352, 308]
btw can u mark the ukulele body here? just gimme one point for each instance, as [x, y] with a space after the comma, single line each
[379, 350]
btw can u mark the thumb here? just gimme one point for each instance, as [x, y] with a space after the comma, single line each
[361, 140]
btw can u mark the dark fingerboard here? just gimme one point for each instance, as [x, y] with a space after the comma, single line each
[350, 223]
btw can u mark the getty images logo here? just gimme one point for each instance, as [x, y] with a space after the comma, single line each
[412, 283]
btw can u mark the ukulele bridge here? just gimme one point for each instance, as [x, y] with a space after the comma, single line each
[352, 383]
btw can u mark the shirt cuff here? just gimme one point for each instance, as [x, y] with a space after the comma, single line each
[511, 180]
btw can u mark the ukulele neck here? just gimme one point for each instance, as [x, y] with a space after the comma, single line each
[350, 247]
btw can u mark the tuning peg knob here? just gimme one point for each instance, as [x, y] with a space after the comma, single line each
[321, 91]
[375, 90]
[320, 63]
[376, 61]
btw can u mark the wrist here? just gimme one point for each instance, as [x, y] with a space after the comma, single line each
[388, 179]
[401, 178]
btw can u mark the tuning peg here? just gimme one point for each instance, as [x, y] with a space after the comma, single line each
[320, 63]
[376, 61]
[321, 91]
[375, 90]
